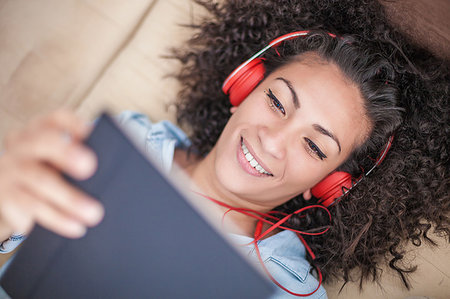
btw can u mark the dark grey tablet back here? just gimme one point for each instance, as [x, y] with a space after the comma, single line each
[151, 243]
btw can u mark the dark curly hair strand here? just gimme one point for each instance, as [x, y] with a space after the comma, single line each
[407, 197]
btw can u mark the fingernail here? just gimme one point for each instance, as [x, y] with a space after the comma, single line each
[93, 211]
[84, 161]
[78, 230]
[82, 231]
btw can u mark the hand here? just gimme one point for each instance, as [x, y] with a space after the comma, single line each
[32, 189]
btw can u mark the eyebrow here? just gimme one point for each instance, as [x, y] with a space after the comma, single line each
[294, 94]
[324, 131]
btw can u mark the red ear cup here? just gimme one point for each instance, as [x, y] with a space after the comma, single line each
[238, 85]
[330, 188]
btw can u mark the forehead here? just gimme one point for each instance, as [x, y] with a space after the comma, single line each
[329, 97]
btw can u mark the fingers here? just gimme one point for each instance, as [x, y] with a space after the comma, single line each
[25, 203]
[65, 121]
[52, 146]
[15, 214]
[47, 139]
[32, 188]
[47, 184]
[43, 196]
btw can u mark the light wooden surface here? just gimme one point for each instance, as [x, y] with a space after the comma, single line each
[90, 55]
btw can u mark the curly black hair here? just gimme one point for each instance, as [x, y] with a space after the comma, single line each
[407, 197]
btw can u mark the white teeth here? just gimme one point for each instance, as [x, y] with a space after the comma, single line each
[245, 149]
[252, 160]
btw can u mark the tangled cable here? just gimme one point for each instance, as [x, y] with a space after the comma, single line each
[275, 223]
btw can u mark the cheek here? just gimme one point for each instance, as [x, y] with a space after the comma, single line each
[304, 173]
[253, 107]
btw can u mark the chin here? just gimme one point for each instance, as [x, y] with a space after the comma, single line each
[234, 180]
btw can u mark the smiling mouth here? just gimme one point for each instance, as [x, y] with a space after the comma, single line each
[252, 161]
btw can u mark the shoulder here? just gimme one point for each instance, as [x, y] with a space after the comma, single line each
[284, 257]
[136, 122]
[157, 140]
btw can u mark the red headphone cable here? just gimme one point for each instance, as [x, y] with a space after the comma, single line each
[260, 216]
[258, 235]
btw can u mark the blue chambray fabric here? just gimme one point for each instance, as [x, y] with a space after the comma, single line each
[284, 257]
[11, 243]
[157, 140]
[283, 253]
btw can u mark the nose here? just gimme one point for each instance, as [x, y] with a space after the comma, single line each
[273, 141]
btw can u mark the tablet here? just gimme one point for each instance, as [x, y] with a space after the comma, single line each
[152, 242]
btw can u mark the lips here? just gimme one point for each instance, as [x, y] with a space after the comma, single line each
[249, 162]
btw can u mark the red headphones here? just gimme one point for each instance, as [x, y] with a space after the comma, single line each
[240, 83]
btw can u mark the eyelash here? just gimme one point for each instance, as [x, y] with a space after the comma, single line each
[274, 103]
[314, 149]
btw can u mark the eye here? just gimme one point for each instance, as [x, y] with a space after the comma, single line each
[314, 149]
[274, 103]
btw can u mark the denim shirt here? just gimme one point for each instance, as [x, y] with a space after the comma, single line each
[283, 254]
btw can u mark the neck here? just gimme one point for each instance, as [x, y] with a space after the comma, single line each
[204, 182]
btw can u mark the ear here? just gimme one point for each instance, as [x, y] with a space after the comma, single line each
[233, 109]
[307, 194]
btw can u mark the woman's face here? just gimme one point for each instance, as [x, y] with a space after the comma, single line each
[295, 128]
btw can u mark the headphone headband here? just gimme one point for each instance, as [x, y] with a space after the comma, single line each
[273, 43]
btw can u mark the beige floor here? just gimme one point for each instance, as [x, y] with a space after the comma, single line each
[92, 55]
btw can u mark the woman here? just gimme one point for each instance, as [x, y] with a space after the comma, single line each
[326, 103]
[407, 199]
[325, 99]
